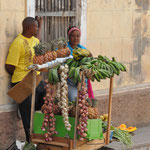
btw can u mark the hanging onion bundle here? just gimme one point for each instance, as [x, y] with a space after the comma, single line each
[48, 110]
[63, 104]
[83, 110]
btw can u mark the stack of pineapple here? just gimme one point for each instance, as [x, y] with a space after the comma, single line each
[63, 50]
[46, 52]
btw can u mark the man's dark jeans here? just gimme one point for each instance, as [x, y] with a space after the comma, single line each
[25, 107]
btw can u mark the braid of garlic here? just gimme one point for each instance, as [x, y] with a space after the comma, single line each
[64, 96]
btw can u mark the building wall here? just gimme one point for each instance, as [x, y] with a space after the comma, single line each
[121, 28]
[12, 13]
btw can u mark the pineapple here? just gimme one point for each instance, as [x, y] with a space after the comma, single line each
[39, 54]
[63, 50]
[50, 53]
[92, 110]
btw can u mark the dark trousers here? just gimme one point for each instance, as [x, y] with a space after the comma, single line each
[25, 107]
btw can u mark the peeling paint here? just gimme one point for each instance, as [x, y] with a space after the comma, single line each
[136, 72]
[141, 42]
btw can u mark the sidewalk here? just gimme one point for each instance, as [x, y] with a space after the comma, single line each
[141, 141]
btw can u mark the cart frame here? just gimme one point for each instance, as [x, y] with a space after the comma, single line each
[59, 143]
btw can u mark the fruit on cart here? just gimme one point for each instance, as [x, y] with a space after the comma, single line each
[104, 117]
[124, 127]
[92, 110]
[63, 50]
[79, 53]
[50, 53]
[131, 129]
[39, 51]
[53, 76]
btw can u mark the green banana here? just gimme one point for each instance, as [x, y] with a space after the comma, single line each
[55, 75]
[83, 60]
[50, 76]
[115, 71]
[106, 59]
[115, 64]
[93, 61]
[69, 61]
[76, 64]
[101, 76]
[100, 57]
[105, 73]
[71, 72]
[72, 64]
[122, 67]
[86, 63]
[76, 73]
[97, 77]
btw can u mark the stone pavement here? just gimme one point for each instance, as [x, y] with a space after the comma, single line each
[141, 140]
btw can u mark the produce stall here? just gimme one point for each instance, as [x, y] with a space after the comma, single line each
[82, 130]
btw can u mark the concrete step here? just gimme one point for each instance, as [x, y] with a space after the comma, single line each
[141, 140]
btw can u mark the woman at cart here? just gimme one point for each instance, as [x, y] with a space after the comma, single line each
[74, 35]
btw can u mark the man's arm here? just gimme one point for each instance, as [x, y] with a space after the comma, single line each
[10, 68]
[40, 21]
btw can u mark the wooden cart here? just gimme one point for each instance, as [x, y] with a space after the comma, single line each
[60, 143]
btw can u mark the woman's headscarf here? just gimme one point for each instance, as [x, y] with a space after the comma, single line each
[73, 29]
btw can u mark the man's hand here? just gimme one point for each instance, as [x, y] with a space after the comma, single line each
[39, 20]
[10, 68]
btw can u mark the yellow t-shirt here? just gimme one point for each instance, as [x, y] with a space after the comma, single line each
[20, 55]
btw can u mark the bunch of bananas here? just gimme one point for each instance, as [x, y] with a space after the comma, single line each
[74, 74]
[74, 67]
[115, 66]
[79, 53]
[53, 76]
[102, 67]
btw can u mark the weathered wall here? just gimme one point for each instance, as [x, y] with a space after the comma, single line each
[121, 28]
[12, 13]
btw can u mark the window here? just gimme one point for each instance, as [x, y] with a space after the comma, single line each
[58, 15]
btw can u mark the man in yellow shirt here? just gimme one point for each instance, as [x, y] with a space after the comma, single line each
[20, 56]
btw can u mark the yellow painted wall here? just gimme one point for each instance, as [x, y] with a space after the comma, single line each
[12, 12]
[121, 28]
